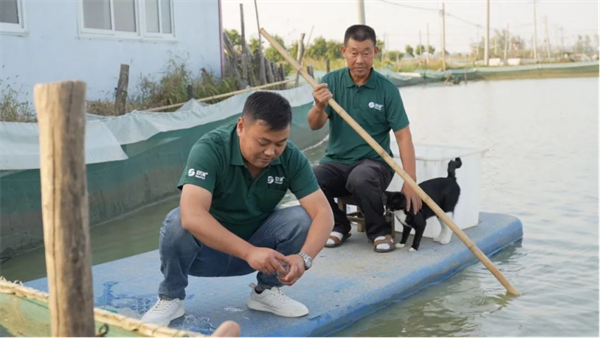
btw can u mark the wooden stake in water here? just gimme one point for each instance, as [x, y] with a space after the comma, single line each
[61, 115]
[426, 199]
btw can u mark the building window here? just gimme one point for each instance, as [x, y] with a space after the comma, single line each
[110, 15]
[11, 16]
[158, 16]
[128, 18]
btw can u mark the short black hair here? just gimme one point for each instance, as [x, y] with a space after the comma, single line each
[270, 107]
[360, 33]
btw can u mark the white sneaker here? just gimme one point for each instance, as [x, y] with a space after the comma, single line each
[274, 301]
[164, 311]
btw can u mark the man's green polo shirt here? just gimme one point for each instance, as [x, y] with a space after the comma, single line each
[376, 106]
[240, 203]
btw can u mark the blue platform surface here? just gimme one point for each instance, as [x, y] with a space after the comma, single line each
[345, 284]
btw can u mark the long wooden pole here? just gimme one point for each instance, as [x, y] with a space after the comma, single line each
[220, 96]
[61, 116]
[439, 212]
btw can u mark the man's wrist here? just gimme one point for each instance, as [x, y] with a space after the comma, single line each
[306, 259]
[246, 251]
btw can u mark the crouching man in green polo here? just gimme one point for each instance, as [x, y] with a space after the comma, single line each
[227, 223]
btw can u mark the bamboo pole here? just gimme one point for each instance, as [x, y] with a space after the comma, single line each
[100, 315]
[61, 116]
[220, 96]
[439, 212]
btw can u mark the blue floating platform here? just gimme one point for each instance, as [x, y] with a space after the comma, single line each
[344, 285]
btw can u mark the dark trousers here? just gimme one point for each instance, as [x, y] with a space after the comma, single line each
[366, 182]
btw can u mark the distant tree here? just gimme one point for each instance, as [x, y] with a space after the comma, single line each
[318, 49]
[254, 45]
[272, 54]
[419, 49]
[334, 50]
[393, 55]
[430, 49]
[234, 37]
[409, 50]
[294, 49]
[588, 44]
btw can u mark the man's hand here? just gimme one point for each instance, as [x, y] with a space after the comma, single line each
[296, 270]
[322, 95]
[266, 260]
[412, 199]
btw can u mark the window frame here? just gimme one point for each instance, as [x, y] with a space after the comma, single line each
[160, 35]
[91, 32]
[140, 25]
[16, 28]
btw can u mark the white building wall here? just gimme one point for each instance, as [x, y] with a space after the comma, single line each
[53, 48]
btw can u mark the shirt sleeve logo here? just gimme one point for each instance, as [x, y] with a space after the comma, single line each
[201, 174]
[197, 173]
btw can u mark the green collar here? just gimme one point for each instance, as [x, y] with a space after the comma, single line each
[348, 82]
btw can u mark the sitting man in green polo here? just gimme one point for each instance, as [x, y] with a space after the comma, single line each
[350, 166]
[227, 223]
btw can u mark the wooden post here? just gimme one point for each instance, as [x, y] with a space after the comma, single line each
[121, 95]
[245, 77]
[268, 71]
[310, 71]
[300, 54]
[260, 67]
[276, 73]
[282, 76]
[262, 75]
[190, 91]
[328, 64]
[245, 48]
[61, 117]
[233, 58]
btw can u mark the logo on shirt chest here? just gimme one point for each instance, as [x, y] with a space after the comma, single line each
[375, 106]
[276, 180]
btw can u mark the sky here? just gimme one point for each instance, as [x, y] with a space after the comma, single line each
[401, 25]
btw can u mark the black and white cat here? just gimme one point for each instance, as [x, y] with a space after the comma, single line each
[444, 191]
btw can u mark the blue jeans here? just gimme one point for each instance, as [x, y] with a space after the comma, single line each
[182, 255]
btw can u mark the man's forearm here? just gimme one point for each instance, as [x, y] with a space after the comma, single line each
[316, 117]
[318, 233]
[407, 155]
[210, 232]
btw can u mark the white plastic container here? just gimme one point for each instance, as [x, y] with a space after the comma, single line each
[432, 161]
